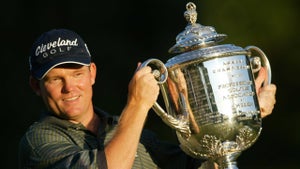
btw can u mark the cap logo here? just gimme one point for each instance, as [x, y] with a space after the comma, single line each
[50, 47]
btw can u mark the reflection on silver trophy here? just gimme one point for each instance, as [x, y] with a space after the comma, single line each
[209, 93]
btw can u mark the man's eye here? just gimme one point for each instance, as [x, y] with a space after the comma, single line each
[54, 80]
[78, 74]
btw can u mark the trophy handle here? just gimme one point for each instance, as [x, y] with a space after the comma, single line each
[258, 61]
[159, 69]
[160, 72]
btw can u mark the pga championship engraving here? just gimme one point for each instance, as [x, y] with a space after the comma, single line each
[209, 93]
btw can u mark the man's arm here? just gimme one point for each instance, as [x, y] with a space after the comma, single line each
[143, 91]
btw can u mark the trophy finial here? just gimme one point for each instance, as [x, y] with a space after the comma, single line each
[190, 14]
[195, 36]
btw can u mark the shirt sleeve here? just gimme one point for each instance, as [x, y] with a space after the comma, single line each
[168, 155]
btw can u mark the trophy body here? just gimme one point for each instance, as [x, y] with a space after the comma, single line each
[216, 98]
[209, 93]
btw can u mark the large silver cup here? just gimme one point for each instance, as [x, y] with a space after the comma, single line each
[209, 93]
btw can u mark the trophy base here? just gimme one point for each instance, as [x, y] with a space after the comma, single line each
[228, 161]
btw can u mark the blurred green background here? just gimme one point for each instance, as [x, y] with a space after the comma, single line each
[121, 33]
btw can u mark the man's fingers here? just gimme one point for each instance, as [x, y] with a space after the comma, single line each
[260, 78]
[267, 99]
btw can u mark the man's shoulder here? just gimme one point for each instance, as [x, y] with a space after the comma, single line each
[42, 126]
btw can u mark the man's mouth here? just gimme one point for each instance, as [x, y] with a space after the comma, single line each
[71, 98]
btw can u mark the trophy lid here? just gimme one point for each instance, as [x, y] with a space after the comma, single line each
[198, 43]
[195, 35]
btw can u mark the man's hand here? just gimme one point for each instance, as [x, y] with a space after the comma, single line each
[266, 94]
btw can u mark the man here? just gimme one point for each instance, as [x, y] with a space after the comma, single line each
[74, 133]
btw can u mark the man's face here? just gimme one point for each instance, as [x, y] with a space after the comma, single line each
[67, 90]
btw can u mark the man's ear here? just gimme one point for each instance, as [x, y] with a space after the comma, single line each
[93, 69]
[34, 84]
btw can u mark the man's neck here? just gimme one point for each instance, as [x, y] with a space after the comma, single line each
[93, 124]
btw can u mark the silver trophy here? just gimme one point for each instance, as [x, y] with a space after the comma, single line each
[209, 93]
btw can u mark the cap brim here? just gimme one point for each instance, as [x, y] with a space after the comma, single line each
[40, 73]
